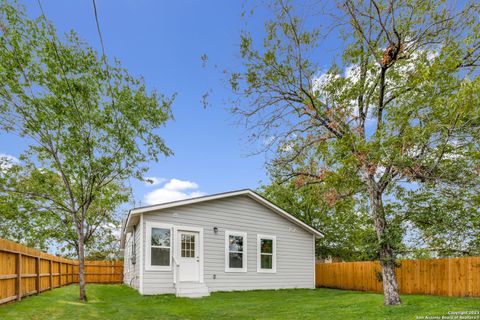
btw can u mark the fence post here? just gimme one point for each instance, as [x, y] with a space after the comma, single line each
[51, 274]
[19, 277]
[37, 270]
[449, 277]
[59, 274]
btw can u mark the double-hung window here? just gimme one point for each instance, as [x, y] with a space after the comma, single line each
[266, 253]
[235, 251]
[159, 247]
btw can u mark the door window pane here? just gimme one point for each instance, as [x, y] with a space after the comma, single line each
[188, 246]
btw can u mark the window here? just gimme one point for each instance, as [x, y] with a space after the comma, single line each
[235, 251]
[188, 246]
[159, 247]
[266, 253]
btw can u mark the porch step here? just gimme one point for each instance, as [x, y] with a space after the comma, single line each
[191, 289]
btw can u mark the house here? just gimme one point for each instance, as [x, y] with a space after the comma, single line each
[229, 241]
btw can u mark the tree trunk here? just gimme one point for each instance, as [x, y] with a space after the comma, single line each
[391, 294]
[81, 263]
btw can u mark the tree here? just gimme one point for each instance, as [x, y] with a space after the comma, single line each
[399, 111]
[16, 222]
[33, 222]
[349, 235]
[447, 216]
[90, 124]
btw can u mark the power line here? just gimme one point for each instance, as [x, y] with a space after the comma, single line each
[104, 56]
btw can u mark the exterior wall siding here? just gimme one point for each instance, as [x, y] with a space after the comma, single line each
[130, 270]
[138, 248]
[295, 256]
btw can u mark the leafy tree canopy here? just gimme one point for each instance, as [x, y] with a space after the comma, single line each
[89, 123]
[349, 235]
[395, 117]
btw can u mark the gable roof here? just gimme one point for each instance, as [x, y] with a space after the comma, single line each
[133, 214]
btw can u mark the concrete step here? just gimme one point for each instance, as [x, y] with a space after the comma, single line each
[184, 285]
[192, 295]
[191, 289]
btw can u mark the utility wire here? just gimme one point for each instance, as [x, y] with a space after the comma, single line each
[104, 56]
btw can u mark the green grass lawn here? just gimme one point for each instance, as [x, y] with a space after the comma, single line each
[121, 302]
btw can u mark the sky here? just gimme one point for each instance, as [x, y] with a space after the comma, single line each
[163, 41]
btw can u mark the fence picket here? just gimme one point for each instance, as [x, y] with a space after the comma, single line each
[446, 277]
[22, 270]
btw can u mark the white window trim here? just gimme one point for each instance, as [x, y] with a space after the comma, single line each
[229, 233]
[148, 244]
[274, 253]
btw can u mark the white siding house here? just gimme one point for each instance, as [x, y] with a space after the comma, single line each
[230, 241]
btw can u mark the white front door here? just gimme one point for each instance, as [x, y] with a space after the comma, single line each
[188, 253]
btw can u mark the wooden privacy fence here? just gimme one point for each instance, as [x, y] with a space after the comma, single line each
[25, 271]
[444, 277]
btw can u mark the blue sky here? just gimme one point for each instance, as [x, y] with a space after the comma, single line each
[163, 41]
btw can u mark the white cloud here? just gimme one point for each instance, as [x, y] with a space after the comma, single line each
[7, 161]
[177, 185]
[153, 181]
[173, 190]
